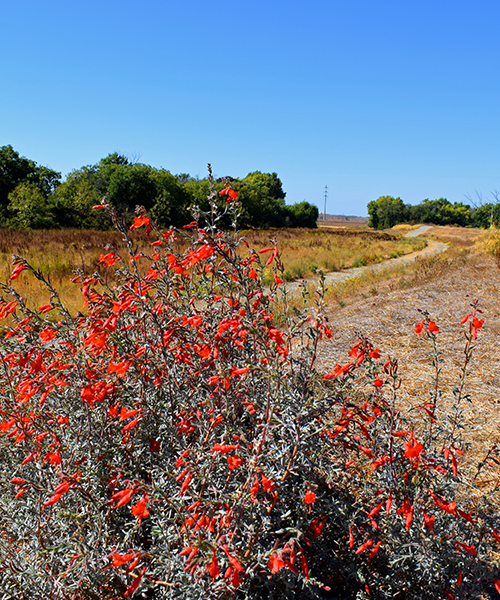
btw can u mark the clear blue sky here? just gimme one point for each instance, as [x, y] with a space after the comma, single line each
[369, 97]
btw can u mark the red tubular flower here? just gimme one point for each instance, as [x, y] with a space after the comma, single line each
[118, 560]
[213, 568]
[228, 191]
[413, 449]
[469, 549]
[364, 546]
[140, 221]
[309, 497]
[123, 497]
[233, 462]
[476, 326]
[428, 521]
[276, 563]
[432, 327]
[224, 448]
[140, 510]
[135, 584]
[374, 550]
[16, 271]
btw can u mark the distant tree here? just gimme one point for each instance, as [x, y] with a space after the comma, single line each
[29, 208]
[172, 201]
[125, 185]
[16, 169]
[486, 214]
[441, 212]
[74, 198]
[263, 200]
[386, 212]
[303, 214]
[33, 196]
[198, 191]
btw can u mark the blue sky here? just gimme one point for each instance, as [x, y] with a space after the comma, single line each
[369, 97]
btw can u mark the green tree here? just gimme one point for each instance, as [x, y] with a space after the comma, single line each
[483, 215]
[74, 198]
[16, 169]
[386, 212]
[172, 200]
[303, 214]
[125, 185]
[263, 200]
[29, 208]
[441, 212]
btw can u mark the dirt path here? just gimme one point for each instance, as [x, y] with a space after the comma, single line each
[336, 277]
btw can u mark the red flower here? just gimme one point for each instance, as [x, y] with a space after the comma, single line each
[476, 326]
[109, 259]
[123, 497]
[407, 511]
[432, 327]
[135, 584]
[233, 462]
[419, 327]
[140, 510]
[224, 448]
[469, 549]
[374, 550]
[309, 497]
[413, 449]
[117, 560]
[140, 221]
[497, 585]
[45, 308]
[276, 563]
[364, 546]
[267, 484]
[16, 271]
[229, 192]
[428, 521]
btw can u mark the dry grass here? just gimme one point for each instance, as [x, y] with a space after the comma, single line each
[444, 286]
[305, 251]
[59, 252]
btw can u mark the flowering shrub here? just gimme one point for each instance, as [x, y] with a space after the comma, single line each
[174, 442]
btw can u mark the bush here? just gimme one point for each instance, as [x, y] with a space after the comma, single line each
[174, 442]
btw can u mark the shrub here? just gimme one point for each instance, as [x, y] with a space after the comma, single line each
[172, 441]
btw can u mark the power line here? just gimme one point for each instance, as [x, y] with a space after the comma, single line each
[326, 196]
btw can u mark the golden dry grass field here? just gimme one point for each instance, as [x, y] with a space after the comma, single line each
[58, 253]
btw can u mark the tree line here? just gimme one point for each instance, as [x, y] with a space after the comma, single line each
[387, 211]
[36, 197]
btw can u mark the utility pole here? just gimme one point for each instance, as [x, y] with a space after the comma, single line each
[326, 196]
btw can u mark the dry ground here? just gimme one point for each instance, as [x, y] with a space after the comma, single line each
[445, 287]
